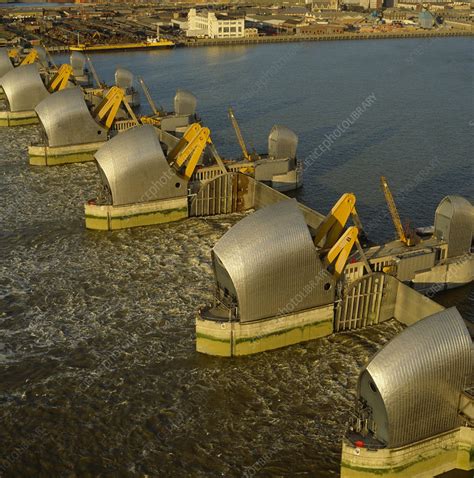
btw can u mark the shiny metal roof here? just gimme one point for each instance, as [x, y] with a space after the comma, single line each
[42, 55]
[135, 169]
[78, 63]
[123, 78]
[24, 87]
[184, 103]
[5, 62]
[454, 223]
[282, 142]
[269, 264]
[66, 119]
[413, 384]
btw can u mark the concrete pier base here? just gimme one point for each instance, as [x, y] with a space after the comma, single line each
[41, 155]
[425, 459]
[19, 118]
[224, 338]
[108, 217]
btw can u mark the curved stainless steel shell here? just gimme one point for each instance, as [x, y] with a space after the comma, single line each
[135, 169]
[454, 223]
[24, 88]
[413, 384]
[184, 103]
[42, 55]
[282, 142]
[78, 63]
[66, 119]
[123, 78]
[5, 63]
[269, 264]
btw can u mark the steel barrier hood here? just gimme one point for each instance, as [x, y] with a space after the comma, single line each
[454, 223]
[413, 384]
[123, 78]
[42, 55]
[268, 263]
[134, 167]
[5, 62]
[66, 119]
[78, 63]
[282, 142]
[185, 103]
[24, 88]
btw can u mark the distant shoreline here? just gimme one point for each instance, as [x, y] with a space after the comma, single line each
[295, 38]
[341, 36]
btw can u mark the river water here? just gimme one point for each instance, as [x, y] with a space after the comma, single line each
[99, 374]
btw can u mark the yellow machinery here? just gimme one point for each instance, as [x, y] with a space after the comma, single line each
[340, 251]
[107, 110]
[61, 78]
[190, 148]
[407, 239]
[13, 53]
[333, 224]
[338, 244]
[30, 58]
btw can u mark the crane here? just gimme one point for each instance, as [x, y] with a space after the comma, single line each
[94, 73]
[238, 133]
[407, 239]
[145, 89]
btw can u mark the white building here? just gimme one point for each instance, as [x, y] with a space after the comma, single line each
[214, 25]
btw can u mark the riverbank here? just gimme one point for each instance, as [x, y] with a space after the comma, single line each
[199, 42]
[342, 36]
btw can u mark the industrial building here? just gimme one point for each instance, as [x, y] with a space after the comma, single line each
[204, 23]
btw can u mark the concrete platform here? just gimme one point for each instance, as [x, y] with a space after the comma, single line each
[19, 118]
[108, 217]
[449, 451]
[41, 155]
[216, 336]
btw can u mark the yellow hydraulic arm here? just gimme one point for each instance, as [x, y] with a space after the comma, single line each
[109, 106]
[13, 53]
[238, 133]
[333, 224]
[340, 251]
[394, 213]
[190, 148]
[61, 78]
[30, 58]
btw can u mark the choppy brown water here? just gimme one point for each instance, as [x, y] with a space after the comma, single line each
[99, 371]
[99, 374]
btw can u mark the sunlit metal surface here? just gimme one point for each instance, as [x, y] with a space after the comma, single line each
[5, 63]
[123, 78]
[42, 55]
[282, 142]
[184, 103]
[66, 119]
[454, 223]
[269, 264]
[78, 63]
[135, 169]
[24, 88]
[413, 384]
